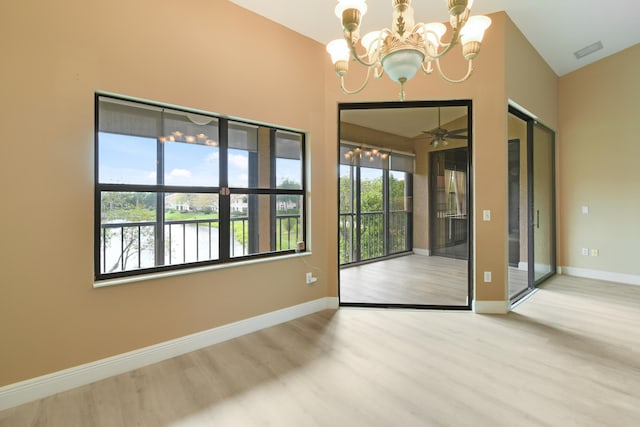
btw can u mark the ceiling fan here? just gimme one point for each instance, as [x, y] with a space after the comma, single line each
[440, 135]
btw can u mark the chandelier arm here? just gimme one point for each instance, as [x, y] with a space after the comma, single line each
[353, 92]
[379, 72]
[454, 38]
[354, 54]
[428, 69]
[448, 80]
[447, 46]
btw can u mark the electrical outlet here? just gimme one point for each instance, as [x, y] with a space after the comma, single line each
[487, 277]
[486, 215]
[585, 251]
[595, 252]
[310, 279]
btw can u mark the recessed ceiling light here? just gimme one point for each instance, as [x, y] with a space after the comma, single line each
[588, 50]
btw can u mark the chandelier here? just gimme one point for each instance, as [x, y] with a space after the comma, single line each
[408, 47]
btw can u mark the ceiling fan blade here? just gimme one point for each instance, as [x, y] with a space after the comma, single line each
[457, 137]
[456, 131]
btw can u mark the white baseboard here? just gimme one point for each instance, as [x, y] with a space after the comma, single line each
[628, 279]
[490, 307]
[425, 252]
[36, 388]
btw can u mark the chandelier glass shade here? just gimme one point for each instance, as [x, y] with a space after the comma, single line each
[405, 49]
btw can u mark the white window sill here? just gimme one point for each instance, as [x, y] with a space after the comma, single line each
[181, 272]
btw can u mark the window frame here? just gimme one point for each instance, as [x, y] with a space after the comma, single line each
[222, 190]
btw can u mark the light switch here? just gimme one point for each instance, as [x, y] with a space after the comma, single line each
[487, 277]
[486, 215]
[585, 210]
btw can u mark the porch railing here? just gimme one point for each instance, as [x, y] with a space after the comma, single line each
[375, 240]
[132, 245]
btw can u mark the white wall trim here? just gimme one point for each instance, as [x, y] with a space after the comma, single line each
[628, 279]
[424, 252]
[491, 307]
[36, 388]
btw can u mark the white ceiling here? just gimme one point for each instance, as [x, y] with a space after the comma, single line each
[556, 28]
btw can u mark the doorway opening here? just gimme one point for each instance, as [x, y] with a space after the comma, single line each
[404, 199]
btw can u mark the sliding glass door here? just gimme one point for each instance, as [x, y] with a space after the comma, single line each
[449, 200]
[542, 209]
[531, 193]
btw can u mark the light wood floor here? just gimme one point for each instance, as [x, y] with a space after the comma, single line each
[410, 279]
[518, 281]
[568, 356]
[414, 280]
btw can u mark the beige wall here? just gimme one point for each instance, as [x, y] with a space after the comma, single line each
[598, 165]
[186, 53]
[530, 82]
[360, 134]
[190, 54]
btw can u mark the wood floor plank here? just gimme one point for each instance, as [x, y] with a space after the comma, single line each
[414, 280]
[568, 356]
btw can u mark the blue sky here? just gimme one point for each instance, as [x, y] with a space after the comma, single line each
[132, 160]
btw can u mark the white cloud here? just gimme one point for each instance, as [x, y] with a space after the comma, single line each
[181, 173]
[239, 161]
[213, 156]
[152, 175]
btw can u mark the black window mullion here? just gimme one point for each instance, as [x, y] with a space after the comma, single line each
[409, 211]
[97, 196]
[303, 157]
[272, 185]
[252, 203]
[385, 212]
[159, 227]
[358, 223]
[224, 210]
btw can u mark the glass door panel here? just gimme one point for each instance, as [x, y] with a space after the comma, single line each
[531, 203]
[449, 199]
[518, 206]
[543, 204]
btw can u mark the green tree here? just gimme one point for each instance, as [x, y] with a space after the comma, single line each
[346, 195]
[371, 195]
[124, 207]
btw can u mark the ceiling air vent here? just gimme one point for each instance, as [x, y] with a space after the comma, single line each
[588, 50]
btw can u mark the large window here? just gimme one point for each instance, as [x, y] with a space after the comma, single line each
[176, 189]
[375, 203]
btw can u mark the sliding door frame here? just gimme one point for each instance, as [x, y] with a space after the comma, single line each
[532, 123]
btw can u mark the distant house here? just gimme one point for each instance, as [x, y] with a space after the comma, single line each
[239, 204]
[192, 202]
[286, 205]
[178, 202]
